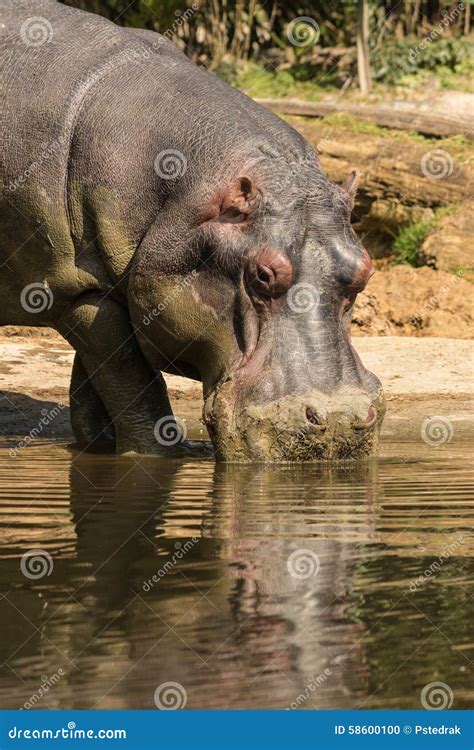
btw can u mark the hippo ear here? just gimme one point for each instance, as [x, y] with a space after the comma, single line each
[350, 186]
[240, 199]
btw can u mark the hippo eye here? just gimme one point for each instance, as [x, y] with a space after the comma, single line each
[268, 273]
[348, 303]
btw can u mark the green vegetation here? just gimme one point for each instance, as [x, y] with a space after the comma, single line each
[355, 125]
[412, 61]
[300, 48]
[262, 83]
[407, 244]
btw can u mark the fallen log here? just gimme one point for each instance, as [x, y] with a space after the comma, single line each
[426, 123]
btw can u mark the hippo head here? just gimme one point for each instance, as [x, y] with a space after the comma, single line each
[246, 282]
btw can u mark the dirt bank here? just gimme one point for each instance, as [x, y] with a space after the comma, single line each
[405, 301]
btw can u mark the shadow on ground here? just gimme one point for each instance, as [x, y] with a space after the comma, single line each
[25, 416]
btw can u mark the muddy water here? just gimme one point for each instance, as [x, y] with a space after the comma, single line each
[251, 587]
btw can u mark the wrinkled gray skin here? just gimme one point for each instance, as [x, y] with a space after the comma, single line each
[239, 268]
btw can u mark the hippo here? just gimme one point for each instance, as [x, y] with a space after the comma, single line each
[163, 222]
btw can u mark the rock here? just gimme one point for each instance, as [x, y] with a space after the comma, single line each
[448, 246]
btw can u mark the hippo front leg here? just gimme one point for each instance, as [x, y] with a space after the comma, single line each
[114, 378]
[91, 424]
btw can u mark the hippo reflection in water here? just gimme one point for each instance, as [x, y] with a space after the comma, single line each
[162, 221]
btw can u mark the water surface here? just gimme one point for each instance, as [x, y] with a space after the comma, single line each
[250, 586]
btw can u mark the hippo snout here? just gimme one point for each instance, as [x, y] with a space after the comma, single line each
[359, 413]
[312, 426]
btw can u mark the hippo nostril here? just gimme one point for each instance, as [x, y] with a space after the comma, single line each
[311, 416]
[369, 421]
[371, 416]
[263, 275]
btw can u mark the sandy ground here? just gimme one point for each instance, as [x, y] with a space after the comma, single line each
[35, 371]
